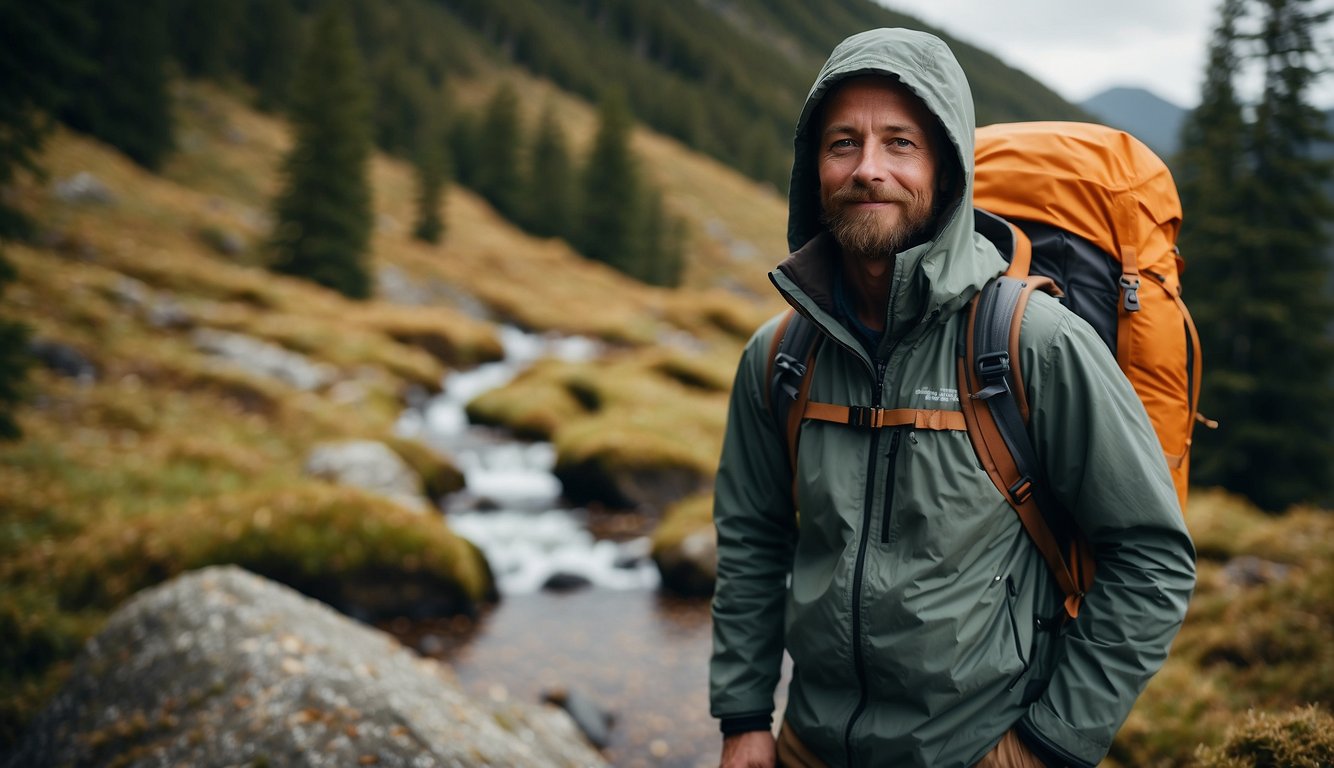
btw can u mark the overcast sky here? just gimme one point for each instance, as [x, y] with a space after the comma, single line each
[1080, 49]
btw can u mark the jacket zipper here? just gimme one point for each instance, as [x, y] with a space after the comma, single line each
[1012, 593]
[890, 484]
[858, 662]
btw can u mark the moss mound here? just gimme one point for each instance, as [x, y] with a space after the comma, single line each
[1300, 738]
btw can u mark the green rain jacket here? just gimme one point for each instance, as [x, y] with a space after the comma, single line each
[921, 621]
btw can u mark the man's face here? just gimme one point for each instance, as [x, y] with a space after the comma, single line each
[877, 163]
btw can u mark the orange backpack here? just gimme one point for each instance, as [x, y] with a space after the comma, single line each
[1083, 212]
[1100, 215]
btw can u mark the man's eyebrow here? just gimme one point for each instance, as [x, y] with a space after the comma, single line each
[890, 128]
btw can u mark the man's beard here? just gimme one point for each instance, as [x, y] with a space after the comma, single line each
[866, 234]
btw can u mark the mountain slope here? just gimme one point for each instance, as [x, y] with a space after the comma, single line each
[725, 78]
[1149, 118]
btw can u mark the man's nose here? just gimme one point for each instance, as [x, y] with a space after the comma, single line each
[871, 167]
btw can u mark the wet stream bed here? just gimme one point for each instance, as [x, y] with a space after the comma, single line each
[608, 634]
[639, 655]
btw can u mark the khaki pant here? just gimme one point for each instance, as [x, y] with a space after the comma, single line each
[1009, 753]
[793, 754]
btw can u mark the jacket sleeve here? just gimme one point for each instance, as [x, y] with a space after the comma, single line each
[755, 523]
[1103, 463]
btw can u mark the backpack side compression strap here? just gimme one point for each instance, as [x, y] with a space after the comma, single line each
[990, 388]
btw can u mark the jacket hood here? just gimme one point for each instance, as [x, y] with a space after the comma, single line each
[957, 261]
[924, 64]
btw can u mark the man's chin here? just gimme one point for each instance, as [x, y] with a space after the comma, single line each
[868, 241]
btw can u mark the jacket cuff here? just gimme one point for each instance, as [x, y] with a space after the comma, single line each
[730, 726]
[1050, 753]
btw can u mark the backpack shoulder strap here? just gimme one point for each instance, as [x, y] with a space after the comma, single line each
[791, 363]
[995, 409]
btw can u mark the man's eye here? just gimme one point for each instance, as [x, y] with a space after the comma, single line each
[842, 144]
[901, 143]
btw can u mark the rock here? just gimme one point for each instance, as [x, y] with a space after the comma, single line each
[1251, 571]
[166, 313]
[63, 359]
[690, 567]
[598, 481]
[83, 188]
[260, 358]
[592, 720]
[563, 581]
[371, 466]
[161, 311]
[223, 668]
[226, 242]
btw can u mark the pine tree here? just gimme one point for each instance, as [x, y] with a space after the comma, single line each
[659, 235]
[272, 40]
[465, 145]
[203, 34]
[432, 176]
[610, 192]
[122, 98]
[499, 178]
[402, 97]
[550, 189]
[1211, 171]
[38, 59]
[1253, 238]
[1290, 408]
[324, 214]
[14, 361]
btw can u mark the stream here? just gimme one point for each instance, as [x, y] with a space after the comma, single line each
[577, 611]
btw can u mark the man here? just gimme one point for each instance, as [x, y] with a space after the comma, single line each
[923, 625]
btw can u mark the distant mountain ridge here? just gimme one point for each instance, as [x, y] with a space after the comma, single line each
[1141, 113]
[1157, 121]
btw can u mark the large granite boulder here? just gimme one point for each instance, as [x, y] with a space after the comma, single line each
[220, 667]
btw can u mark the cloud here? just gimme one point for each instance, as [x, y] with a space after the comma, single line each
[1079, 49]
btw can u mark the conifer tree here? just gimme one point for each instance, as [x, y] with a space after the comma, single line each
[38, 59]
[499, 179]
[550, 187]
[402, 101]
[272, 42]
[14, 361]
[659, 234]
[432, 176]
[122, 98]
[1290, 407]
[324, 214]
[1253, 237]
[203, 35]
[1211, 171]
[610, 192]
[465, 145]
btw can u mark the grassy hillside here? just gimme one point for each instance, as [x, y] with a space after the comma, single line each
[161, 458]
[726, 78]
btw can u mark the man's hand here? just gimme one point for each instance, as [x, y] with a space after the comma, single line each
[752, 749]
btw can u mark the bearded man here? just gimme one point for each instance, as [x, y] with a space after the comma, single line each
[923, 624]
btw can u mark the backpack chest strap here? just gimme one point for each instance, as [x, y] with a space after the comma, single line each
[865, 417]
